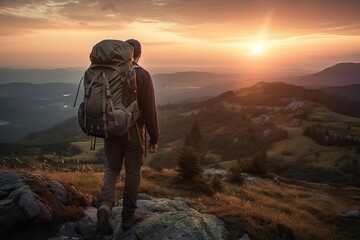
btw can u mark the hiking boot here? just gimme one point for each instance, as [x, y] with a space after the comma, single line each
[103, 217]
[128, 222]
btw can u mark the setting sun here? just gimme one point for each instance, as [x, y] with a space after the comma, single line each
[257, 49]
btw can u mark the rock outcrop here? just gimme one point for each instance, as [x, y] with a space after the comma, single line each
[163, 219]
[32, 201]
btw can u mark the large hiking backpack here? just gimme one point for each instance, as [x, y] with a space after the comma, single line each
[110, 106]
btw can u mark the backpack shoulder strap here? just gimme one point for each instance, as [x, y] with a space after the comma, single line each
[77, 92]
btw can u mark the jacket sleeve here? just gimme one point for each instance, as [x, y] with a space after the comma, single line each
[147, 104]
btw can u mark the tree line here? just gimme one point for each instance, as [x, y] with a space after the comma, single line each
[330, 138]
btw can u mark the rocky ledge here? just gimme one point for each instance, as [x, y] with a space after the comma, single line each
[30, 202]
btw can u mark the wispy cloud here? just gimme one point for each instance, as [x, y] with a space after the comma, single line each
[197, 18]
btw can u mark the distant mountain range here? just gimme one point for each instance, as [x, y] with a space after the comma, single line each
[37, 76]
[194, 86]
[27, 107]
[338, 75]
[269, 94]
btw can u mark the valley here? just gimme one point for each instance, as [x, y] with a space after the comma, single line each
[269, 117]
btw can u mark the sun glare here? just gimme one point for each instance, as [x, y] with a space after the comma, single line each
[257, 49]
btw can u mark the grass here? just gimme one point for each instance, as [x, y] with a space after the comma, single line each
[270, 211]
[305, 153]
[86, 154]
[264, 211]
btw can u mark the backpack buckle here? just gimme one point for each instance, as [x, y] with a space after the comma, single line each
[108, 93]
[87, 92]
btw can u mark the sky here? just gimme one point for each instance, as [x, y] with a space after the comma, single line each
[206, 35]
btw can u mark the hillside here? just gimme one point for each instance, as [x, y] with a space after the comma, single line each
[348, 91]
[50, 103]
[278, 94]
[238, 124]
[26, 107]
[46, 104]
[338, 75]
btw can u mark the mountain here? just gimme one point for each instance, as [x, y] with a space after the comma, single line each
[263, 94]
[67, 130]
[191, 79]
[64, 75]
[189, 86]
[26, 107]
[212, 114]
[53, 90]
[236, 125]
[338, 75]
[349, 91]
[278, 94]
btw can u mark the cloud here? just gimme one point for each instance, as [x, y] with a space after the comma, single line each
[203, 19]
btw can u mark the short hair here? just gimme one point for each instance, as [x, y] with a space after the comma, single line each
[136, 45]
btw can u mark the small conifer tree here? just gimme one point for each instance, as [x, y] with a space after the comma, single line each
[188, 163]
[191, 153]
[195, 140]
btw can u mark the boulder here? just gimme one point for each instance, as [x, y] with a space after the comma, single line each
[30, 200]
[31, 203]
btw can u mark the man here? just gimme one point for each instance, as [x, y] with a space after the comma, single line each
[129, 149]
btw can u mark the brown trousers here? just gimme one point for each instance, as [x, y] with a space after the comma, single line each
[122, 151]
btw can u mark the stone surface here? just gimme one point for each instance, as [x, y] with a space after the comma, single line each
[163, 219]
[33, 201]
[24, 199]
[215, 171]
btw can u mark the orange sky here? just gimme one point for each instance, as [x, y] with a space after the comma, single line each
[180, 35]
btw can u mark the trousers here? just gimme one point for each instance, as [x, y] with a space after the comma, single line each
[121, 151]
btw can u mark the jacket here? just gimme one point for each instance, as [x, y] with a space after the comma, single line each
[147, 104]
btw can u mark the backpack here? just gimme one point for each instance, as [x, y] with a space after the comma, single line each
[110, 105]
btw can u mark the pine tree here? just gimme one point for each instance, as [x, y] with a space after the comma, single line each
[188, 163]
[195, 141]
[192, 152]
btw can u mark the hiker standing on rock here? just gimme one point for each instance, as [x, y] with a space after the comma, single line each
[128, 151]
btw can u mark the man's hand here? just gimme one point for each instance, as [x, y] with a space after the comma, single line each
[153, 148]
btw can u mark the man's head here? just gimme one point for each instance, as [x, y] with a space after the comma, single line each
[137, 48]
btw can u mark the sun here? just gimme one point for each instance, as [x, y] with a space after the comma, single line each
[257, 49]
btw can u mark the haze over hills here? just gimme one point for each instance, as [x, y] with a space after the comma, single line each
[338, 75]
[51, 90]
[36, 76]
[194, 86]
[264, 94]
[237, 124]
[27, 107]
[349, 91]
